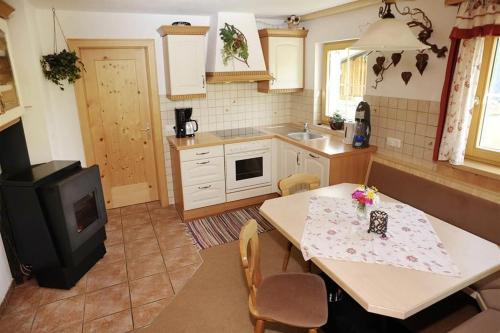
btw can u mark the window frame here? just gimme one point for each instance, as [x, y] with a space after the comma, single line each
[473, 152]
[327, 47]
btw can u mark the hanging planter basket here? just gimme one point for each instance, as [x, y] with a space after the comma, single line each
[61, 66]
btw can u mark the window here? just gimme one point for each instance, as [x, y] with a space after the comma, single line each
[484, 137]
[344, 79]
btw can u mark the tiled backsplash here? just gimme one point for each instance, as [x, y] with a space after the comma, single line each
[414, 122]
[226, 106]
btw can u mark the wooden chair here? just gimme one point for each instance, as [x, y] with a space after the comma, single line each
[287, 186]
[295, 299]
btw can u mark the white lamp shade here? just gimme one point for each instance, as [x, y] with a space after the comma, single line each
[389, 34]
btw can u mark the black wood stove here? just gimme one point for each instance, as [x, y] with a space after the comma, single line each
[56, 211]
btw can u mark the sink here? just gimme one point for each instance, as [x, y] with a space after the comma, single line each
[301, 136]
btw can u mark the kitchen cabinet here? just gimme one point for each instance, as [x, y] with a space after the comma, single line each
[298, 160]
[202, 176]
[184, 50]
[284, 56]
[11, 108]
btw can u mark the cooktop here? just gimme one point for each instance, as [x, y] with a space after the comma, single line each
[238, 133]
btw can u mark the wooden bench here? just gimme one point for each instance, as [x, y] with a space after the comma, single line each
[468, 212]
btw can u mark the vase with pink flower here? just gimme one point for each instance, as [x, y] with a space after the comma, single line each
[364, 199]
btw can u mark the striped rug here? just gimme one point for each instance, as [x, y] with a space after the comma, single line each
[224, 228]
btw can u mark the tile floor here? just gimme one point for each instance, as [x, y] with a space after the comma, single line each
[149, 259]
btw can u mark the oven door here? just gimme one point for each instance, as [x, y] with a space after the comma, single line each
[248, 170]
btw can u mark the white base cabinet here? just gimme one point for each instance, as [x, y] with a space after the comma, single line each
[294, 160]
[203, 177]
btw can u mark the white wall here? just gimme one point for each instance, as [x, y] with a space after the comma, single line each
[67, 143]
[350, 25]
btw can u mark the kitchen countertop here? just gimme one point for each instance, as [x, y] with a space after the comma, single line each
[329, 146]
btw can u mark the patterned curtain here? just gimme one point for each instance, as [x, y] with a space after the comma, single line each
[475, 20]
[461, 101]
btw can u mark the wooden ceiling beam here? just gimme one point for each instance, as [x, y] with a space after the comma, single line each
[5, 9]
[453, 2]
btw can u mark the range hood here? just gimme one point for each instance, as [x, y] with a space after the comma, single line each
[253, 69]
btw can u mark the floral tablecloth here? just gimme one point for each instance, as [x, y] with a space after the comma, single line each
[333, 231]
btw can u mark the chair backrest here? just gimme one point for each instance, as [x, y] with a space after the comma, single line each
[300, 179]
[471, 213]
[250, 257]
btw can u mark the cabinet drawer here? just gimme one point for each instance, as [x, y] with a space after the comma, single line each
[201, 153]
[202, 171]
[204, 195]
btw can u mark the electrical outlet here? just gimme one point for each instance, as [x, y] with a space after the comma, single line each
[393, 142]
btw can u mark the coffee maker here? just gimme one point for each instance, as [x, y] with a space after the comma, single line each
[362, 127]
[184, 125]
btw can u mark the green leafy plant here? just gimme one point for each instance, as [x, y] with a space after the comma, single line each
[337, 122]
[61, 66]
[235, 44]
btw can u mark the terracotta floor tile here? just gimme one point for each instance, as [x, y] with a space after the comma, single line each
[141, 247]
[113, 254]
[180, 276]
[138, 232]
[144, 266]
[113, 212]
[153, 205]
[150, 289]
[168, 228]
[173, 240]
[139, 208]
[106, 275]
[116, 323]
[106, 301]
[59, 315]
[19, 322]
[181, 256]
[114, 237]
[135, 219]
[24, 297]
[70, 328]
[114, 223]
[50, 295]
[145, 314]
[164, 214]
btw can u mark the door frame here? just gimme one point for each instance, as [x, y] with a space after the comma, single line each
[148, 45]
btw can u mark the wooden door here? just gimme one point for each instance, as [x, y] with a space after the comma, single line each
[118, 118]
[286, 57]
[185, 68]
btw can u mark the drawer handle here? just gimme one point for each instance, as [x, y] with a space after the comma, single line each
[201, 163]
[204, 187]
[204, 153]
[313, 156]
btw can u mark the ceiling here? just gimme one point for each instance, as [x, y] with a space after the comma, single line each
[261, 8]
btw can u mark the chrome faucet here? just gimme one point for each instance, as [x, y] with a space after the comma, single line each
[306, 127]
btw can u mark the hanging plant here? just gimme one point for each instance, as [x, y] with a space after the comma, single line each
[235, 44]
[60, 66]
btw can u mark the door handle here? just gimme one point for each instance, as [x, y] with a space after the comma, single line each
[204, 153]
[203, 80]
[298, 159]
[313, 156]
[201, 163]
[204, 187]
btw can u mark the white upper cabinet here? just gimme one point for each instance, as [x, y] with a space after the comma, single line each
[184, 49]
[284, 55]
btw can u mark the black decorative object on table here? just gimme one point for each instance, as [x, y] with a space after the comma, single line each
[378, 222]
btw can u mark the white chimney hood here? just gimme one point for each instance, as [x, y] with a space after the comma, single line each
[235, 70]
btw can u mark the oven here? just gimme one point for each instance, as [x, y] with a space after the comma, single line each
[248, 165]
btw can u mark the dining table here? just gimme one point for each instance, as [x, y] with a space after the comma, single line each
[383, 289]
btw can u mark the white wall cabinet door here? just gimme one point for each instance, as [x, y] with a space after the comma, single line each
[315, 164]
[286, 62]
